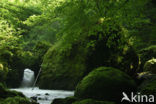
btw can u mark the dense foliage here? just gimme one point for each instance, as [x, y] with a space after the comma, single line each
[68, 39]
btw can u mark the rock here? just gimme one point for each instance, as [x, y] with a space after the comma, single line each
[34, 98]
[42, 98]
[146, 54]
[4, 92]
[17, 100]
[58, 101]
[144, 75]
[12, 97]
[91, 101]
[141, 77]
[64, 67]
[39, 98]
[68, 100]
[106, 84]
[150, 66]
[47, 94]
[73, 66]
[148, 87]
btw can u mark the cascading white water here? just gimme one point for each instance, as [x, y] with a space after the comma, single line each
[42, 96]
[28, 78]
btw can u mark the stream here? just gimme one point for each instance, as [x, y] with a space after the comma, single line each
[44, 96]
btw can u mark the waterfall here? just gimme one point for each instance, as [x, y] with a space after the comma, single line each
[28, 78]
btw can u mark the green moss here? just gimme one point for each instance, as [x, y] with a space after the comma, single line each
[105, 83]
[150, 66]
[16, 100]
[149, 87]
[70, 59]
[91, 101]
[147, 54]
[12, 97]
[3, 73]
[68, 100]
[64, 67]
[4, 92]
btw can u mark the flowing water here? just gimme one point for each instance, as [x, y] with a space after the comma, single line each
[42, 96]
[28, 78]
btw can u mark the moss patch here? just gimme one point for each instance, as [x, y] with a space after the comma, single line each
[68, 100]
[148, 87]
[91, 101]
[12, 97]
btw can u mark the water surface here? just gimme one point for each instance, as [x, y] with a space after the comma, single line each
[45, 96]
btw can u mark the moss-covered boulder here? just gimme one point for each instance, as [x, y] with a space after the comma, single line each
[12, 97]
[91, 101]
[68, 100]
[146, 54]
[150, 66]
[74, 100]
[5, 93]
[64, 65]
[148, 87]
[105, 83]
[16, 100]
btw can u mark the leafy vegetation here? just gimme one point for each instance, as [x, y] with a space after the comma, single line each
[70, 39]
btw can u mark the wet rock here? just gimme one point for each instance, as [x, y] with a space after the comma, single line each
[44, 98]
[47, 94]
[34, 98]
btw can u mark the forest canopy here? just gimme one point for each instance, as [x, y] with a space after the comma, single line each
[75, 44]
[34, 32]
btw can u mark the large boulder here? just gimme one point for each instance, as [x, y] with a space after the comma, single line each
[68, 61]
[16, 100]
[68, 100]
[148, 87]
[12, 97]
[5, 93]
[146, 54]
[150, 66]
[63, 67]
[91, 101]
[74, 100]
[105, 83]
